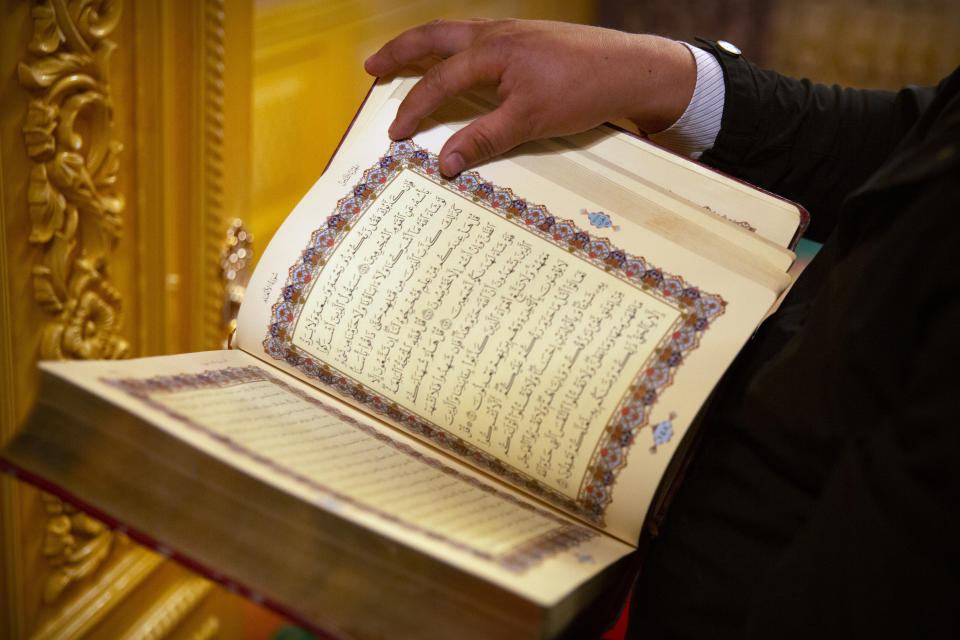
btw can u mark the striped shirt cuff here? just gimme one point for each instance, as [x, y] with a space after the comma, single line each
[697, 129]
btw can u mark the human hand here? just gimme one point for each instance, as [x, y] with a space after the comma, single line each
[552, 79]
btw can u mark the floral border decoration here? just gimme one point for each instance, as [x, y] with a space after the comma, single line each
[698, 310]
[525, 555]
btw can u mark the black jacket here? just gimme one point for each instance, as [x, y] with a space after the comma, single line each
[824, 499]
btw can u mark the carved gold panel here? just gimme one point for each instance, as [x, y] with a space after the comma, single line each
[121, 165]
[74, 205]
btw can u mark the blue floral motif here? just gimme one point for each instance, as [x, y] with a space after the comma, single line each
[662, 432]
[599, 219]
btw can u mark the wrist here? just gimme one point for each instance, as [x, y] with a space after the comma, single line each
[664, 79]
[697, 129]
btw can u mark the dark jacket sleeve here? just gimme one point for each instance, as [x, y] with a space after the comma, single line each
[807, 142]
[877, 556]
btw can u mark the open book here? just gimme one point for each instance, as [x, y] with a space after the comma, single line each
[451, 403]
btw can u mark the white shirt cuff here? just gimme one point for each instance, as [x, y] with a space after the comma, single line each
[697, 128]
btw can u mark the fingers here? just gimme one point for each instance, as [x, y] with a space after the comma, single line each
[438, 38]
[486, 137]
[447, 78]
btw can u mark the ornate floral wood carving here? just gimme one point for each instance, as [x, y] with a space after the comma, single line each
[74, 545]
[75, 212]
[74, 205]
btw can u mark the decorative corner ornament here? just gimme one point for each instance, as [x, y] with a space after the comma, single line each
[74, 545]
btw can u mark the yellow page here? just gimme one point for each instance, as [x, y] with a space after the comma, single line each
[608, 164]
[492, 336]
[551, 340]
[230, 405]
[262, 415]
[667, 174]
[762, 213]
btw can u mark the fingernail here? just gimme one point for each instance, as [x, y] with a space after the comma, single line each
[452, 165]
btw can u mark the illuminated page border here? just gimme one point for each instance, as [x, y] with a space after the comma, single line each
[521, 557]
[697, 312]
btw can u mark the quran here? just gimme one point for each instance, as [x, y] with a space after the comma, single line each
[452, 404]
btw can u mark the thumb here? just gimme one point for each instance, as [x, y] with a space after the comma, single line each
[486, 137]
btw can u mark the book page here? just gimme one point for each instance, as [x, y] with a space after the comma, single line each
[661, 175]
[755, 221]
[502, 316]
[267, 419]
[766, 214]
[491, 336]
[232, 406]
